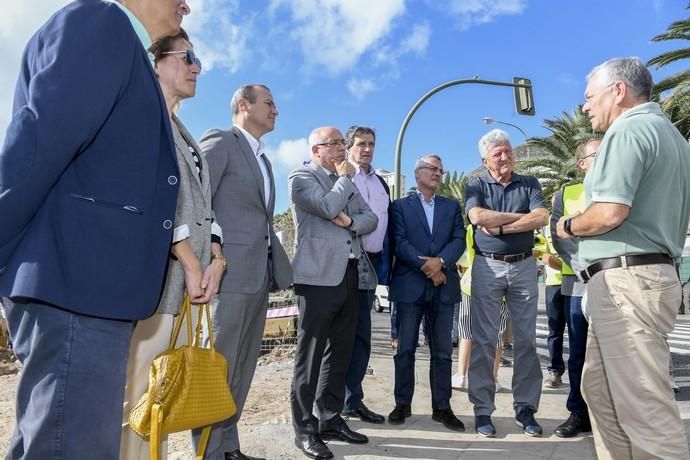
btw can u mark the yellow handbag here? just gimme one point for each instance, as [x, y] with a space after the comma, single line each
[188, 388]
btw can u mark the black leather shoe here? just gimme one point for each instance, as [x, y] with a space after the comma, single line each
[448, 418]
[341, 431]
[573, 426]
[238, 455]
[365, 415]
[397, 416]
[525, 419]
[312, 446]
[484, 427]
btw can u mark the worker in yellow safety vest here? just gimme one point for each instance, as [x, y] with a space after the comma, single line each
[568, 202]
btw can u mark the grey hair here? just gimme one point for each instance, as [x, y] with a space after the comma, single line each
[492, 138]
[629, 70]
[246, 92]
[357, 131]
[421, 161]
[315, 137]
[580, 150]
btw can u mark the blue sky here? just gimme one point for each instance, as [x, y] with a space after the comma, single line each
[343, 62]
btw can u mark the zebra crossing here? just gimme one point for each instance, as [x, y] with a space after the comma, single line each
[678, 340]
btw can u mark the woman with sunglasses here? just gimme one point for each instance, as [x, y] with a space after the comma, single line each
[196, 261]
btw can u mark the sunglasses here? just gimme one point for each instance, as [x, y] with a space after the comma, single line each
[189, 57]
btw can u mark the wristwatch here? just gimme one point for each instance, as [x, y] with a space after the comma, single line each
[443, 262]
[221, 257]
[567, 226]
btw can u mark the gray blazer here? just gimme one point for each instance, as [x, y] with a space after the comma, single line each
[321, 247]
[194, 210]
[237, 186]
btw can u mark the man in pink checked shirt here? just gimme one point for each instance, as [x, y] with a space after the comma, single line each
[360, 142]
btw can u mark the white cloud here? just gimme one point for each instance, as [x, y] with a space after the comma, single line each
[18, 22]
[219, 42]
[335, 33]
[473, 12]
[359, 88]
[289, 154]
[418, 41]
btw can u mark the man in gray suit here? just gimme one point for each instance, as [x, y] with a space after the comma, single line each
[329, 215]
[243, 199]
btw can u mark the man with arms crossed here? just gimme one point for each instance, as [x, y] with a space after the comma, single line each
[88, 191]
[360, 147]
[243, 201]
[568, 202]
[330, 215]
[632, 232]
[505, 209]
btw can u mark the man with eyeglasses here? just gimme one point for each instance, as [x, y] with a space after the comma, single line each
[632, 233]
[429, 237]
[361, 142]
[88, 191]
[505, 208]
[569, 201]
[243, 191]
[330, 215]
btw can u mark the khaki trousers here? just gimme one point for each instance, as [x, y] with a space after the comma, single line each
[625, 380]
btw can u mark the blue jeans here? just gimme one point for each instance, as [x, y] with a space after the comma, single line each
[69, 397]
[360, 353]
[577, 340]
[557, 316]
[440, 317]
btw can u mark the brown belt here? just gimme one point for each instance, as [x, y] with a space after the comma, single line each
[624, 261]
[510, 258]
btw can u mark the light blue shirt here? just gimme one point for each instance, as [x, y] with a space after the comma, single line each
[139, 29]
[428, 208]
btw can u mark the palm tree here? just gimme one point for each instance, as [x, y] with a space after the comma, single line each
[674, 91]
[453, 186]
[556, 166]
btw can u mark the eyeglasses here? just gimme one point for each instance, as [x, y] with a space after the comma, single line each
[434, 169]
[334, 143]
[189, 57]
[590, 155]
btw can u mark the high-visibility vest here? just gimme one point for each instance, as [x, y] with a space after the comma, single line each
[553, 276]
[573, 202]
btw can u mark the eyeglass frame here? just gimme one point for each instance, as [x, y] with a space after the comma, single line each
[588, 156]
[441, 171]
[189, 57]
[333, 143]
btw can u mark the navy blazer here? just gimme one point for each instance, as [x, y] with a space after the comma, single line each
[412, 239]
[88, 175]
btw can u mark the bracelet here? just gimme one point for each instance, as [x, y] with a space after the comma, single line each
[567, 226]
[221, 257]
[500, 230]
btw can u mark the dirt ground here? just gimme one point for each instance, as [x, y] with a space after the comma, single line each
[267, 406]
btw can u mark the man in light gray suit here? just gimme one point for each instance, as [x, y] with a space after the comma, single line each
[329, 215]
[243, 198]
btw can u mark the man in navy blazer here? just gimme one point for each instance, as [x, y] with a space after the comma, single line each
[429, 237]
[88, 190]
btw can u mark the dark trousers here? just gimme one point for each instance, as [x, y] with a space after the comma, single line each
[440, 317]
[72, 385]
[361, 350]
[556, 313]
[327, 323]
[577, 341]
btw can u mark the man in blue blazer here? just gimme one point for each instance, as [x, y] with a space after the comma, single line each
[429, 237]
[88, 189]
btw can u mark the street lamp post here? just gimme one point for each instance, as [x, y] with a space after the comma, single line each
[491, 121]
[524, 104]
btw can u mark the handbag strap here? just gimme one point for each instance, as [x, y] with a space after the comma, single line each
[185, 313]
[203, 441]
[204, 310]
[155, 435]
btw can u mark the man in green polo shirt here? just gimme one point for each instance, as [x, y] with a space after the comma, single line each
[632, 232]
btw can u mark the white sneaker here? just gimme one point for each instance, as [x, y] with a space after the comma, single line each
[498, 387]
[458, 382]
